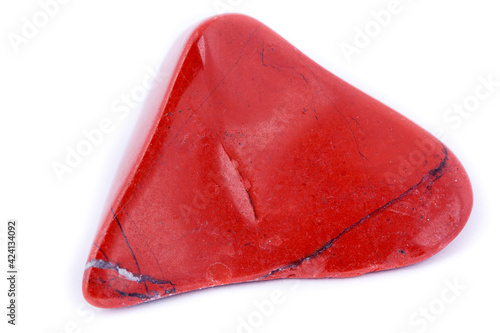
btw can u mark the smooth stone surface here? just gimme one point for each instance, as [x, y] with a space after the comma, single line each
[262, 165]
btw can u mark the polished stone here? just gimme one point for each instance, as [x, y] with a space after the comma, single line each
[262, 165]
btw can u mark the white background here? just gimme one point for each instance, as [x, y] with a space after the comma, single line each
[64, 80]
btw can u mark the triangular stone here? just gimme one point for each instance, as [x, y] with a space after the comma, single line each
[261, 165]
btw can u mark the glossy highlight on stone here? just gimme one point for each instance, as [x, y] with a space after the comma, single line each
[259, 164]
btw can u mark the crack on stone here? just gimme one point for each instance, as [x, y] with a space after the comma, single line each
[432, 176]
[263, 63]
[363, 157]
[241, 178]
[302, 75]
[278, 68]
[357, 122]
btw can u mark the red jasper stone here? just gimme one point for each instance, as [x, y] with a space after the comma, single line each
[262, 165]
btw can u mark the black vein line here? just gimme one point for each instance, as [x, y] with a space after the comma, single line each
[143, 296]
[433, 175]
[129, 247]
[104, 254]
[145, 241]
[262, 58]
